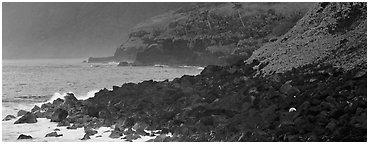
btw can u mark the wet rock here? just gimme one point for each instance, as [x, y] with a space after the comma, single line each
[70, 99]
[59, 115]
[90, 131]
[93, 111]
[115, 88]
[75, 126]
[35, 108]
[141, 132]
[39, 114]
[128, 122]
[86, 137]
[63, 123]
[53, 134]
[22, 136]
[164, 131]
[27, 118]
[210, 69]
[58, 102]
[123, 64]
[21, 112]
[161, 138]
[140, 126]
[9, 117]
[131, 137]
[128, 131]
[46, 106]
[115, 134]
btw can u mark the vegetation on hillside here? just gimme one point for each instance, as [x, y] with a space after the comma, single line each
[208, 28]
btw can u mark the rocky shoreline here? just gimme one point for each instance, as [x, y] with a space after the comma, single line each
[231, 103]
[308, 85]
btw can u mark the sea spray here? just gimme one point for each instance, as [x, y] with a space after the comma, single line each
[88, 95]
[79, 97]
[57, 95]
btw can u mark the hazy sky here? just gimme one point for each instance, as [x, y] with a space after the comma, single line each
[71, 30]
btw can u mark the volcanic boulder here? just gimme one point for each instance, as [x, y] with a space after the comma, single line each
[22, 136]
[27, 118]
[9, 117]
[21, 112]
[53, 134]
[59, 115]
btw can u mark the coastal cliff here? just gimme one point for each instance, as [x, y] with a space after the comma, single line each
[307, 85]
[207, 33]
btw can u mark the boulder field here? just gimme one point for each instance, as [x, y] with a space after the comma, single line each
[230, 103]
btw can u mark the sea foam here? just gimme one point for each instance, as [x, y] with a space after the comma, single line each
[79, 97]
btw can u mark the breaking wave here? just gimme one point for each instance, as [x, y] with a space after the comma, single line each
[79, 97]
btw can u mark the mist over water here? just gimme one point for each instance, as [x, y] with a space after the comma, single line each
[71, 30]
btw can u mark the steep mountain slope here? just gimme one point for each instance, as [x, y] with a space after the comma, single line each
[208, 33]
[333, 33]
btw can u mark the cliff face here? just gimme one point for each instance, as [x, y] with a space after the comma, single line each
[331, 33]
[209, 33]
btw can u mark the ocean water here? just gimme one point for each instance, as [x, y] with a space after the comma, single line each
[29, 82]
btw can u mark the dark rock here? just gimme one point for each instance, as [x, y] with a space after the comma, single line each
[70, 99]
[46, 106]
[39, 114]
[140, 126]
[123, 64]
[115, 134]
[161, 138]
[59, 115]
[75, 126]
[9, 117]
[58, 102]
[63, 123]
[115, 88]
[210, 69]
[27, 118]
[90, 131]
[35, 108]
[141, 132]
[22, 136]
[131, 137]
[21, 112]
[129, 122]
[93, 111]
[151, 140]
[56, 129]
[53, 134]
[360, 74]
[128, 131]
[86, 137]
[288, 89]
[164, 131]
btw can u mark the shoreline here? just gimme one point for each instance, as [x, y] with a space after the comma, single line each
[44, 126]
